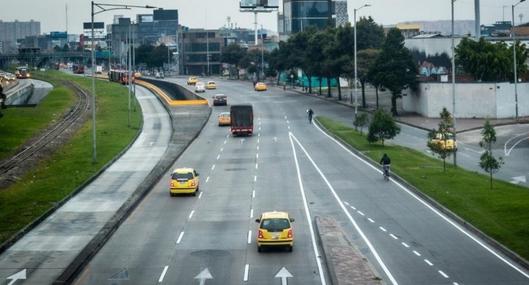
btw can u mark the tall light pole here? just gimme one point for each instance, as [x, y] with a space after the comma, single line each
[356, 65]
[513, 35]
[262, 52]
[453, 79]
[103, 7]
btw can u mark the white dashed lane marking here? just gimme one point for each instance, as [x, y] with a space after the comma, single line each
[162, 276]
[393, 236]
[416, 253]
[246, 272]
[180, 238]
[428, 262]
[207, 179]
[200, 195]
[405, 245]
[191, 214]
[382, 229]
[443, 274]
[371, 220]
[249, 236]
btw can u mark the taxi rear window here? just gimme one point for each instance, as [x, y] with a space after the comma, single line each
[275, 225]
[182, 176]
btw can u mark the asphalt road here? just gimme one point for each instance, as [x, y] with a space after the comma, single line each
[50, 247]
[287, 165]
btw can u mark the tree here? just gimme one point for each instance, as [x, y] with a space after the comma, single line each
[366, 58]
[361, 121]
[232, 55]
[315, 57]
[490, 62]
[488, 162]
[382, 127]
[151, 56]
[395, 68]
[438, 139]
[369, 34]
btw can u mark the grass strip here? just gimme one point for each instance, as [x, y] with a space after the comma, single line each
[70, 166]
[502, 213]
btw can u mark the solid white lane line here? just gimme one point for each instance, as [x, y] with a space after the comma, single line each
[213, 167]
[251, 213]
[218, 157]
[200, 195]
[162, 276]
[428, 262]
[362, 214]
[382, 229]
[416, 253]
[207, 179]
[405, 245]
[191, 214]
[253, 193]
[445, 218]
[246, 269]
[249, 236]
[393, 236]
[307, 215]
[180, 238]
[254, 178]
[371, 220]
[339, 200]
[443, 274]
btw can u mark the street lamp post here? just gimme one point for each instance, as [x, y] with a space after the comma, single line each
[103, 7]
[262, 52]
[356, 65]
[453, 79]
[513, 34]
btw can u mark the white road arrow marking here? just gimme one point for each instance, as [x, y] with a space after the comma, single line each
[518, 179]
[283, 274]
[203, 276]
[524, 136]
[21, 275]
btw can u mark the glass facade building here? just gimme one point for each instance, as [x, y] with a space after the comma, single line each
[299, 15]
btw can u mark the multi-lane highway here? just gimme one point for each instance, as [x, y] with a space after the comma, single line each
[289, 165]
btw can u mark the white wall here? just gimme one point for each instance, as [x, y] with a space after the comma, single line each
[473, 100]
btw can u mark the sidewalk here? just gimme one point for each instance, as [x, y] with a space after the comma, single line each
[411, 119]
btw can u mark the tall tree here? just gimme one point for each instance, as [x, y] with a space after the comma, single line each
[488, 162]
[366, 59]
[369, 34]
[491, 62]
[232, 55]
[395, 68]
[313, 63]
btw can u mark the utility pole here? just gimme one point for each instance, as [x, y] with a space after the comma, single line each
[454, 81]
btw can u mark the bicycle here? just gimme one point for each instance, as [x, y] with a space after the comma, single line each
[385, 171]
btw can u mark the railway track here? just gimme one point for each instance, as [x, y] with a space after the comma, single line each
[66, 122]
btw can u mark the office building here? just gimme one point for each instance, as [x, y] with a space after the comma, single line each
[13, 31]
[340, 10]
[201, 51]
[299, 15]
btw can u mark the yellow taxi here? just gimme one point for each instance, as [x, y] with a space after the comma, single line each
[192, 80]
[448, 143]
[184, 181]
[260, 86]
[275, 230]
[224, 119]
[211, 85]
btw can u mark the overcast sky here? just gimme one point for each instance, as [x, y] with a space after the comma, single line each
[213, 13]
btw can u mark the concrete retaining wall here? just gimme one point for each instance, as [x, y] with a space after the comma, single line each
[473, 100]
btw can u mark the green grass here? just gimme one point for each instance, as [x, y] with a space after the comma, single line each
[21, 123]
[69, 167]
[502, 213]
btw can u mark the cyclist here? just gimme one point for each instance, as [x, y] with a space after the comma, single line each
[310, 113]
[385, 161]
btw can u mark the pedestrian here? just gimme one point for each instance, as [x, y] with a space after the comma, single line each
[310, 113]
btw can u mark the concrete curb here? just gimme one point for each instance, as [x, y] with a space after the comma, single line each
[345, 264]
[98, 241]
[20, 234]
[471, 228]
